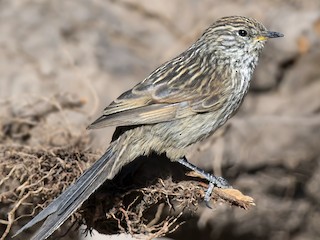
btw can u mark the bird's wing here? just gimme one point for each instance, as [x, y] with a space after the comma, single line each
[175, 90]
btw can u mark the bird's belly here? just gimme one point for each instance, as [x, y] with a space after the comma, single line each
[184, 132]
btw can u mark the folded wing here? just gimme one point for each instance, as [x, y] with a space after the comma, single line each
[177, 89]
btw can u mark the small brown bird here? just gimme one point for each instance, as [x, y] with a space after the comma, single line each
[180, 103]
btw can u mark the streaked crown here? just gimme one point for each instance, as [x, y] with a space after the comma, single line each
[235, 37]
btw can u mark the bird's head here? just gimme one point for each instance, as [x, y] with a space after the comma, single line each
[235, 37]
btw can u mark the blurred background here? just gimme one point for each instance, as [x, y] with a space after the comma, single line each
[97, 49]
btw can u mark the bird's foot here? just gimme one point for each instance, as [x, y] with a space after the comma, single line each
[214, 181]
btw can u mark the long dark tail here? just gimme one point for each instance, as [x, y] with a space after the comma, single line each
[70, 200]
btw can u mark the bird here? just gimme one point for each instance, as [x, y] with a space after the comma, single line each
[182, 102]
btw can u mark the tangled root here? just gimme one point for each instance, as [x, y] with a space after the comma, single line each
[153, 211]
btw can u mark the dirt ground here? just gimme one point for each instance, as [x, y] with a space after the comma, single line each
[62, 62]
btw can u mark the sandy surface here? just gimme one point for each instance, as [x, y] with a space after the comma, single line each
[95, 50]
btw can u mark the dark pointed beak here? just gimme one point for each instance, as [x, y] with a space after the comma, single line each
[269, 34]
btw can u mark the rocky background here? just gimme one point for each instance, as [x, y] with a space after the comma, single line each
[97, 49]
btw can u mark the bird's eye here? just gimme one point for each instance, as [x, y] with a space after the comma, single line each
[243, 33]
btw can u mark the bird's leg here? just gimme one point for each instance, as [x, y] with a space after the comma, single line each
[214, 181]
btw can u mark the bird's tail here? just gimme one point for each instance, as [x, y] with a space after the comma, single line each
[70, 200]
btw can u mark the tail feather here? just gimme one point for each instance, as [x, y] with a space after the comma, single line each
[69, 201]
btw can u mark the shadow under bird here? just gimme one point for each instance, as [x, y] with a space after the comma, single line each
[180, 103]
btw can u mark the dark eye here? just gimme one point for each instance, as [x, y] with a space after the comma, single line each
[243, 33]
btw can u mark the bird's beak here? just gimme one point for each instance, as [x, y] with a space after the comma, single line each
[265, 35]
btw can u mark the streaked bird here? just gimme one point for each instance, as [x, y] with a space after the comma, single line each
[182, 102]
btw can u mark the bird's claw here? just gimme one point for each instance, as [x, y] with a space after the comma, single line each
[207, 196]
[214, 181]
